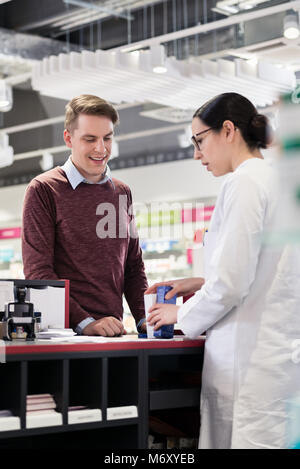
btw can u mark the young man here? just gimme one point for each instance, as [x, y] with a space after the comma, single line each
[77, 225]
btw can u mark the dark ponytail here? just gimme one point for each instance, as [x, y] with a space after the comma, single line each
[253, 126]
[258, 131]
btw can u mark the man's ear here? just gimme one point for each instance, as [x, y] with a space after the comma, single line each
[67, 138]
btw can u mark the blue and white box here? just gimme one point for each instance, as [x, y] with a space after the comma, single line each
[165, 332]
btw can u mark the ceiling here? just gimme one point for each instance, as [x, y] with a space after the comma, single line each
[33, 29]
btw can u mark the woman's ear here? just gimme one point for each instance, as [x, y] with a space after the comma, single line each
[229, 129]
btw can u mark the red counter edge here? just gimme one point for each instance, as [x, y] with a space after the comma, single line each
[93, 347]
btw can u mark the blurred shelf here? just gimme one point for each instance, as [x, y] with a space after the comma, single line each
[174, 398]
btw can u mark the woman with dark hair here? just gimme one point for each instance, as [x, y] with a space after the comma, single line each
[249, 302]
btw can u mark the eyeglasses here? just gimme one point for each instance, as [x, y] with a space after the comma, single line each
[197, 143]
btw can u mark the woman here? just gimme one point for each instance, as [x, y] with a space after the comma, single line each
[249, 302]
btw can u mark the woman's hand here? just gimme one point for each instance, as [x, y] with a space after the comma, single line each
[181, 287]
[161, 314]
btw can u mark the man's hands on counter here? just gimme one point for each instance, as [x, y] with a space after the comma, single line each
[107, 327]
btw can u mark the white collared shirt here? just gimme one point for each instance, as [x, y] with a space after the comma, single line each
[75, 177]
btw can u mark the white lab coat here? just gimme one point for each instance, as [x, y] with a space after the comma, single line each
[249, 307]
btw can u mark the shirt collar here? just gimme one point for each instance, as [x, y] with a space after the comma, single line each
[75, 177]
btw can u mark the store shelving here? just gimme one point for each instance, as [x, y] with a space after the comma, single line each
[101, 380]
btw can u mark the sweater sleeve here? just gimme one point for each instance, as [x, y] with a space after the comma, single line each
[38, 241]
[135, 280]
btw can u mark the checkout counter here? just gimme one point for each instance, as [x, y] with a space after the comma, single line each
[104, 393]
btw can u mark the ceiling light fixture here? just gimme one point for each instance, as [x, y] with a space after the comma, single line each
[6, 151]
[230, 7]
[291, 25]
[158, 59]
[46, 162]
[6, 100]
[184, 138]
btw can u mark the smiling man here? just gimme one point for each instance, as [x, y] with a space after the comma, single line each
[61, 215]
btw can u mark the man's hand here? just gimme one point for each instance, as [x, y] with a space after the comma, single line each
[181, 287]
[107, 327]
[161, 314]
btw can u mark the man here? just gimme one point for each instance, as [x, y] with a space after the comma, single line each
[77, 225]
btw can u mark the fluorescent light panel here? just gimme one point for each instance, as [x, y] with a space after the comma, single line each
[229, 7]
[120, 77]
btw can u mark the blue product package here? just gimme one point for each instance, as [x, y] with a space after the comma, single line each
[165, 332]
[142, 336]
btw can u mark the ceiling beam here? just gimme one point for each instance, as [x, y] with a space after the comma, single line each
[51, 121]
[96, 7]
[29, 46]
[211, 26]
[118, 138]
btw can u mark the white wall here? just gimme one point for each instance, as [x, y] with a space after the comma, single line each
[168, 182]
[11, 201]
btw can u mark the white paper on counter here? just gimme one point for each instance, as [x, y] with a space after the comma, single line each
[101, 340]
[53, 333]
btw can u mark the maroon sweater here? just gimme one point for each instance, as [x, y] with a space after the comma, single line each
[60, 240]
